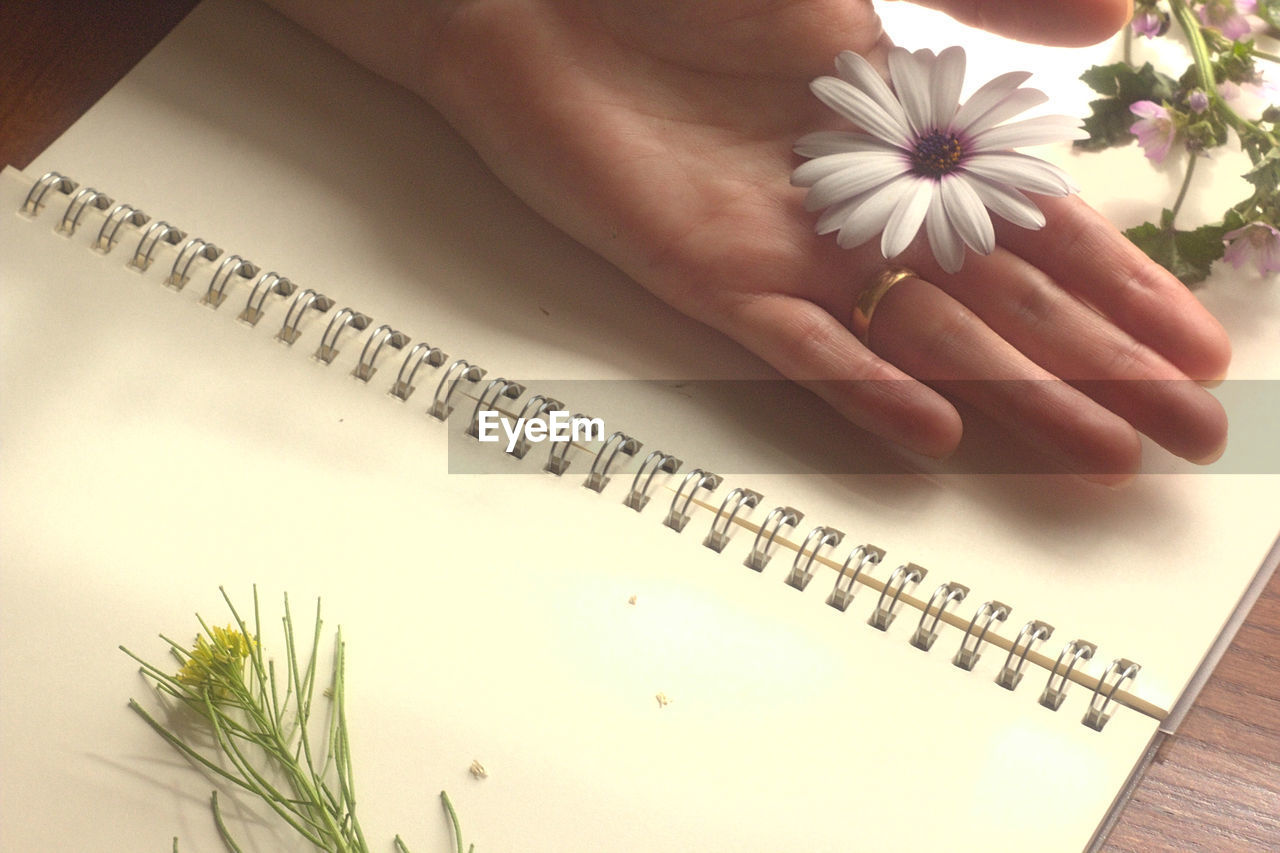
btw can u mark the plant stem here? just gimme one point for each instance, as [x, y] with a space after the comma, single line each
[1199, 49]
[222, 826]
[1186, 184]
[1270, 57]
[1128, 44]
[453, 819]
[1204, 70]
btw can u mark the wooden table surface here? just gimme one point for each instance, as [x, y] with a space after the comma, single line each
[1213, 787]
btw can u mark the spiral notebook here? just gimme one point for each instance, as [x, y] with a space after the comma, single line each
[244, 343]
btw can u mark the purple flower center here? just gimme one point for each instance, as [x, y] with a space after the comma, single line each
[937, 153]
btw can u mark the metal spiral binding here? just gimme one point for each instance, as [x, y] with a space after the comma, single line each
[422, 353]
[194, 248]
[906, 575]
[119, 215]
[488, 400]
[558, 458]
[843, 591]
[384, 335]
[1032, 632]
[267, 284]
[156, 233]
[1053, 694]
[79, 203]
[718, 535]
[819, 537]
[638, 497]
[327, 351]
[308, 298]
[1097, 715]
[677, 518]
[461, 370]
[535, 407]
[598, 477]
[927, 631]
[48, 181]
[778, 516]
[991, 612]
[855, 568]
[231, 265]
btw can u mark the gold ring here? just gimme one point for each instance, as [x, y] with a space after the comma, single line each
[865, 307]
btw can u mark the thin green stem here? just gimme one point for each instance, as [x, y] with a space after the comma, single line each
[1199, 48]
[273, 798]
[1190, 26]
[1269, 57]
[453, 819]
[222, 826]
[178, 744]
[1128, 44]
[1186, 184]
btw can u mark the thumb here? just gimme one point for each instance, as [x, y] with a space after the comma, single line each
[1071, 23]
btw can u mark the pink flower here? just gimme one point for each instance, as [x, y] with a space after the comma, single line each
[1257, 242]
[1150, 23]
[1155, 129]
[1233, 18]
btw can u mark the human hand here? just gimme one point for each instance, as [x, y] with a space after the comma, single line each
[659, 134]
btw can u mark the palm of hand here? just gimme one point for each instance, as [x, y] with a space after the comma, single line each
[659, 134]
[662, 132]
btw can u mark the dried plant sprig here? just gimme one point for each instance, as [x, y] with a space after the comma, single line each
[263, 739]
[1195, 113]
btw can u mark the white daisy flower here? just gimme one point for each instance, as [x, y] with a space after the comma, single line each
[924, 158]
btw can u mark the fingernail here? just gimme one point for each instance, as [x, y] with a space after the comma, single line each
[1212, 457]
[1111, 481]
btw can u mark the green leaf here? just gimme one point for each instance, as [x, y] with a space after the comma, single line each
[1235, 63]
[1129, 84]
[1266, 174]
[1108, 123]
[1186, 254]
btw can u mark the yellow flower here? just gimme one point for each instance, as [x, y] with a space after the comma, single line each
[208, 662]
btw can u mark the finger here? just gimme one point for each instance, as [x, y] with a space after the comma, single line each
[1071, 23]
[807, 344]
[922, 330]
[1086, 255]
[1055, 330]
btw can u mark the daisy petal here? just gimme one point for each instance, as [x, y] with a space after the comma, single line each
[967, 214]
[1032, 131]
[911, 82]
[859, 108]
[943, 239]
[987, 96]
[904, 222]
[825, 142]
[873, 169]
[1021, 172]
[1006, 202]
[869, 216]
[856, 70]
[945, 80]
[1018, 101]
[835, 216]
[808, 174]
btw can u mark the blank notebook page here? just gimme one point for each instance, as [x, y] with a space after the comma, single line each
[154, 449]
